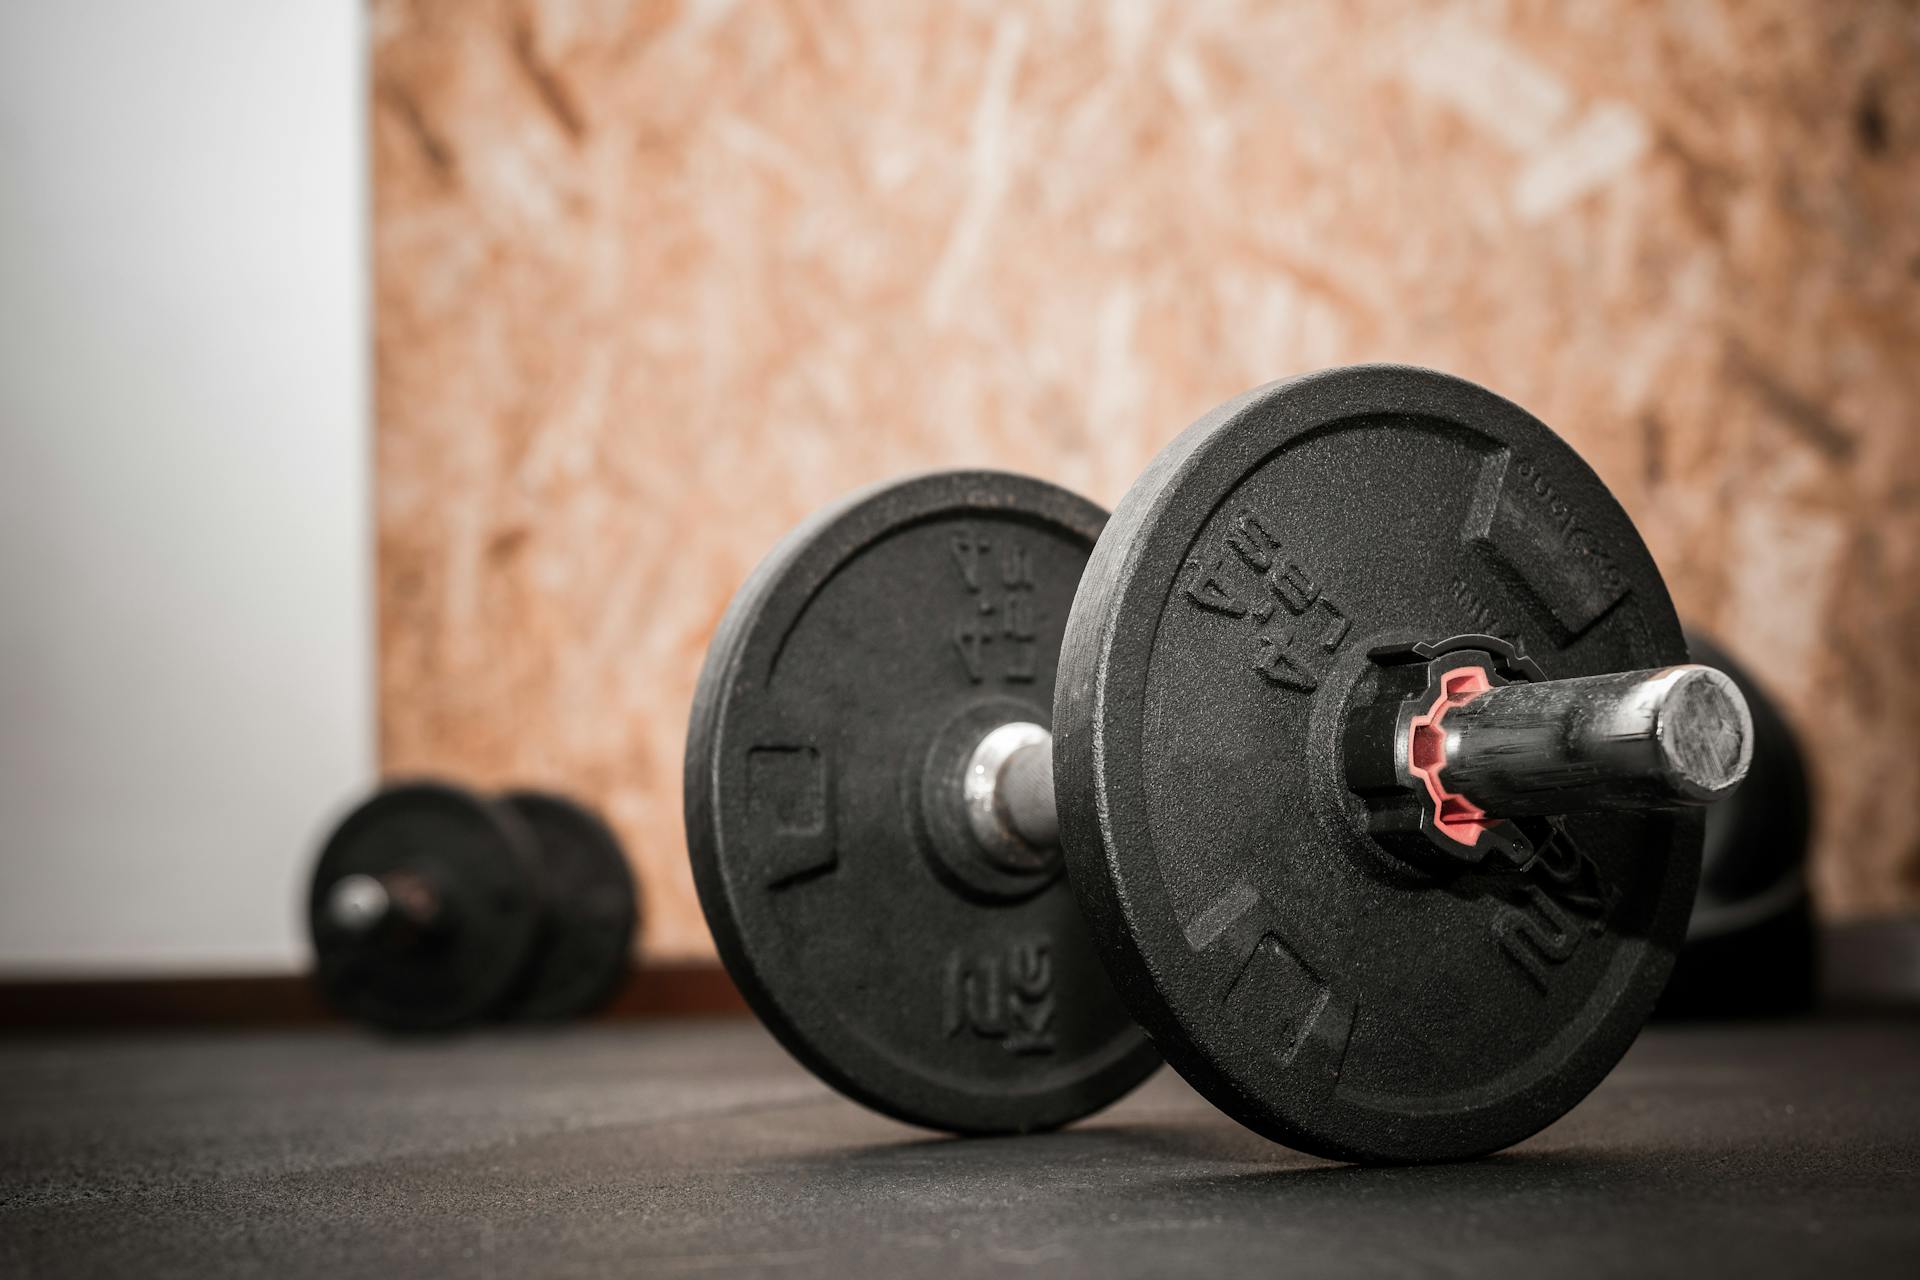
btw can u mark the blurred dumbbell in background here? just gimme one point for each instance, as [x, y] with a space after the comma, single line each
[434, 907]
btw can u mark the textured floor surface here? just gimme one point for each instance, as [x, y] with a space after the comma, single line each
[700, 1149]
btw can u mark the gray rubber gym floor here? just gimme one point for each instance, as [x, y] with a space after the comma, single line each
[666, 1149]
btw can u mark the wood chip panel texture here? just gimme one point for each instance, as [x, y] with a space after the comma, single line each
[654, 280]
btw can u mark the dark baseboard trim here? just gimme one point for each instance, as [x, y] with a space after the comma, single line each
[655, 991]
[81, 1003]
[1870, 964]
[684, 990]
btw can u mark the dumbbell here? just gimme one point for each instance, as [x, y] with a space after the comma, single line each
[1751, 946]
[1354, 765]
[434, 907]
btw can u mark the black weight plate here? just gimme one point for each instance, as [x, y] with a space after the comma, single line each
[1754, 861]
[479, 858]
[586, 943]
[1751, 941]
[1318, 989]
[849, 676]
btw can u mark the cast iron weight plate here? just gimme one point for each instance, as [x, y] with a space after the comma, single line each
[586, 942]
[1323, 992]
[1753, 866]
[1751, 944]
[850, 678]
[481, 862]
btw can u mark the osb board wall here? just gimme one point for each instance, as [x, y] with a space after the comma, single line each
[654, 280]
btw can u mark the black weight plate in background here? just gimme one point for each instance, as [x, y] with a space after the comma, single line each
[877, 640]
[481, 859]
[1751, 941]
[1323, 992]
[586, 944]
[1753, 865]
